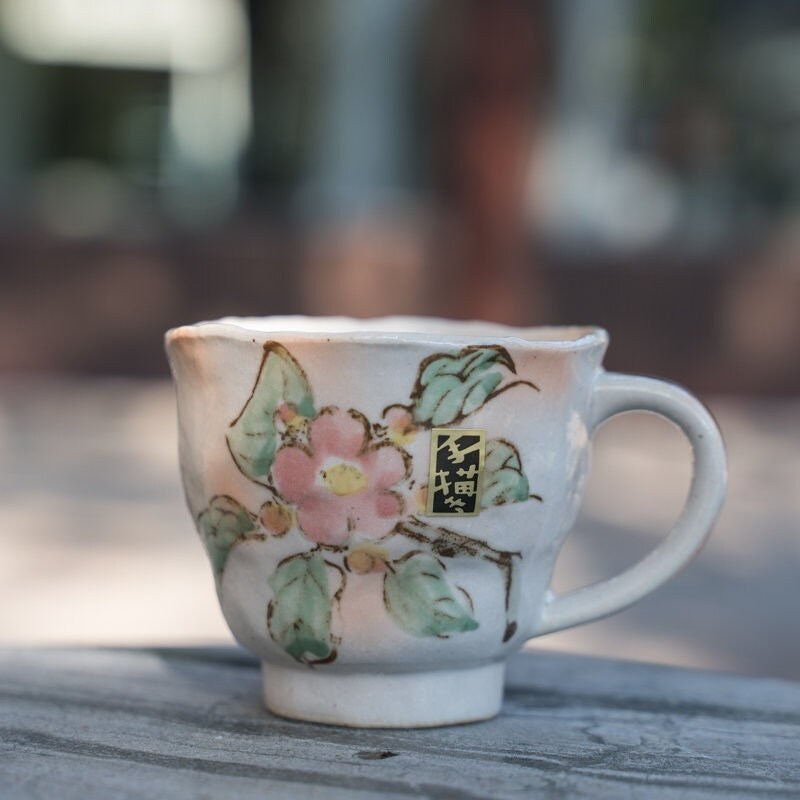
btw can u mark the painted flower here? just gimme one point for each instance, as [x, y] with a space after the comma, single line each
[341, 484]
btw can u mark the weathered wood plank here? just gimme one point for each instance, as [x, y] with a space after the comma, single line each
[179, 723]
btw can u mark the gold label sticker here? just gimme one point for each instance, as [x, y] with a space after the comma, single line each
[455, 476]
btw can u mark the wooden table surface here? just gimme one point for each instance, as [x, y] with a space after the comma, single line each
[188, 723]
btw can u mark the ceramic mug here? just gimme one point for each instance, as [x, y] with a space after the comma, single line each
[383, 501]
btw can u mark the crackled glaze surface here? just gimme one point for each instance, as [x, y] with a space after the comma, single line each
[343, 487]
[309, 490]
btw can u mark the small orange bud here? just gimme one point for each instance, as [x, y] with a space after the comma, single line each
[400, 424]
[287, 412]
[276, 518]
[366, 558]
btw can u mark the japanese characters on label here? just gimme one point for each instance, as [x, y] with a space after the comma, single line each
[456, 471]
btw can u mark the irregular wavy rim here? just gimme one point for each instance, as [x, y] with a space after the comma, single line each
[391, 330]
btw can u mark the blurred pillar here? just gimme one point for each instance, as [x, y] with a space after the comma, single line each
[488, 109]
[365, 248]
[598, 192]
[18, 131]
[360, 164]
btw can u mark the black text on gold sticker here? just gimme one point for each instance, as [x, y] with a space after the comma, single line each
[456, 472]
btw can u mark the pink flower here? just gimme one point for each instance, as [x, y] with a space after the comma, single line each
[341, 485]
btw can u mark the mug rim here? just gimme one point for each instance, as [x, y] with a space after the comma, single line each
[392, 330]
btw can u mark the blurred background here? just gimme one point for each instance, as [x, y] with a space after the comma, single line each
[628, 163]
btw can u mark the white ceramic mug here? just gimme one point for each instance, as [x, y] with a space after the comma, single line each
[383, 501]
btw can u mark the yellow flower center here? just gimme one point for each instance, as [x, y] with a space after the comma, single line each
[344, 479]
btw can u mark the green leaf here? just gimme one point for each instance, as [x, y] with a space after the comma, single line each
[421, 601]
[253, 436]
[503, 478]
[450, 387]
[299, 614]
[220, 525]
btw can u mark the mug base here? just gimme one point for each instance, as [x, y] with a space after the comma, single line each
[384, 700]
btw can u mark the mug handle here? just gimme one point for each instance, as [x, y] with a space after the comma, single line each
[614, 394]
